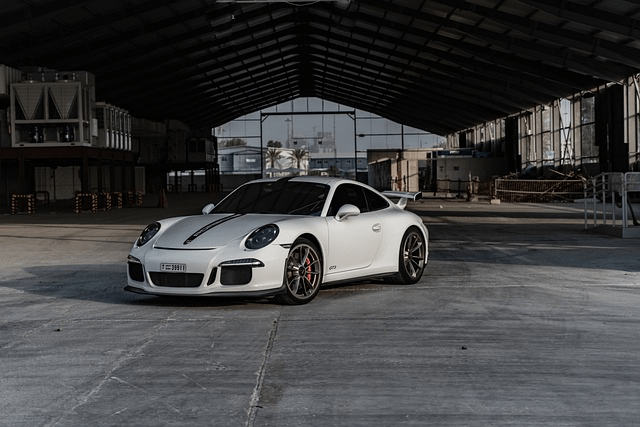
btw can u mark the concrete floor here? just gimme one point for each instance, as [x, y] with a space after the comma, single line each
[522, 318]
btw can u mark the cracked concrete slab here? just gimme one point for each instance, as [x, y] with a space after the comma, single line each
[522, 318]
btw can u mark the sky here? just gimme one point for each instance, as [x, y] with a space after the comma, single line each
[309, 121]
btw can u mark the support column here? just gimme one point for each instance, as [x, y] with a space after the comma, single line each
[85, 172]
[99, 176]
[22, 183]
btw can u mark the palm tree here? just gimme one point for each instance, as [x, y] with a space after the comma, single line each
[273, 154]
[298, 156]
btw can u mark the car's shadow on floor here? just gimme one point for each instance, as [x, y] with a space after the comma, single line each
[200, 301]
[355, 283]
[105, 284]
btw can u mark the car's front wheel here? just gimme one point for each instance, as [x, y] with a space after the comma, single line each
[302, 275]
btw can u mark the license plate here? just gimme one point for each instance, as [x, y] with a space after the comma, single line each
[175, 268]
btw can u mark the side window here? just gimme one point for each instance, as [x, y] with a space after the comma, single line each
[375, 201]
[348, 193]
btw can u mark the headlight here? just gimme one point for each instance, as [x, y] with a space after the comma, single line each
[262, 236]
[148, 233]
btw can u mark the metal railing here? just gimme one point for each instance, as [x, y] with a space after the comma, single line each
[608, 196]
[538, 190]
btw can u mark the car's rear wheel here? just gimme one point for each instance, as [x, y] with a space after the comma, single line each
[302, 275]
[412, 258]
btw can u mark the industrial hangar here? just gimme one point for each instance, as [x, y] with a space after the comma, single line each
[115, 94]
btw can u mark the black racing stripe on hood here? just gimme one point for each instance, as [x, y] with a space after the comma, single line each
[209, 227]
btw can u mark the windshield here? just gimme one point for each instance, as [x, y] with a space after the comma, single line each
[276, 197]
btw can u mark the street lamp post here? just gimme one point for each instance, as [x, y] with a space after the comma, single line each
[288, 120]
[361, 135]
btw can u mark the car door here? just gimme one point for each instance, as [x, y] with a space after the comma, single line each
[353, 242]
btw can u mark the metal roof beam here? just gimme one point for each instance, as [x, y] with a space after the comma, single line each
[591, 16]
[553, 34]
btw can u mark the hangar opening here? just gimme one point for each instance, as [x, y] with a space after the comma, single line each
[496, 78]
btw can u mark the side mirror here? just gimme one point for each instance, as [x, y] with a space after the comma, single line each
[346, 211]
[207, 209]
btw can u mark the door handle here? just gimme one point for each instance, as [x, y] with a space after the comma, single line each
[377, 227]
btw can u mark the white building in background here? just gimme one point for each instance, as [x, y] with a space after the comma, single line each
[244, 159]
[240, 160]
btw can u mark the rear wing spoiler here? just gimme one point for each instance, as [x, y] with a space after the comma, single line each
[403, 196]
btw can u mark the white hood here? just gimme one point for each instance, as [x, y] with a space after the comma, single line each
[210, 231]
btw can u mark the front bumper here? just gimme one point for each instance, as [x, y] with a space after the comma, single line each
[207, 272]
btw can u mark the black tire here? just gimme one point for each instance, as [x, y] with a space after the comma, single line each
[411, 258]
[302, 274]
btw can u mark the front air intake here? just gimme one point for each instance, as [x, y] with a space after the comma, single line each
[176, 280]
[240, 275]
[136, 271]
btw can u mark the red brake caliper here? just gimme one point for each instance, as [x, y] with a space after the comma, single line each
[308, 269]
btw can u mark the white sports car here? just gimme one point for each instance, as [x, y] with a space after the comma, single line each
[282, 237]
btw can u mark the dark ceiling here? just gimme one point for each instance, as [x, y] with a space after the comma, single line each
[437, 65]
